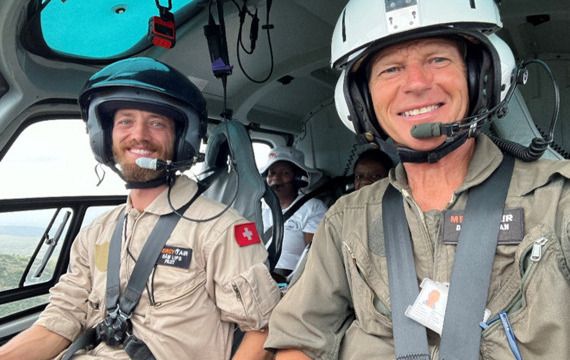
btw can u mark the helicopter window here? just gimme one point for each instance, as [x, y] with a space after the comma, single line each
[97, 30]
[39, 164]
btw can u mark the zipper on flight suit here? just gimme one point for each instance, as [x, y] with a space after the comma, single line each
[237, 292]
[378, 304]
[423, 229]
[532, 254]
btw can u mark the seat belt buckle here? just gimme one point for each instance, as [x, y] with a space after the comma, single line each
[114, 328]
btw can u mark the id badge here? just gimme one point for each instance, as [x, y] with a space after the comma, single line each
[429, 307]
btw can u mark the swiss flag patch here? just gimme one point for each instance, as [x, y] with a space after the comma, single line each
[246, 234]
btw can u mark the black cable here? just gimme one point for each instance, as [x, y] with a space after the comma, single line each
[200, 185]
[554, 145]
[169, 7]
[149, 290]
[192, 201]
[243, 11]
[267, 27]
[538, 145]
[550, 135]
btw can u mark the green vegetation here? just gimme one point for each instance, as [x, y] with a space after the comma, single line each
[14, 257]
[11, 269]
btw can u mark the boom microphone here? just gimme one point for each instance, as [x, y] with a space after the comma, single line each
[151, 164]
[427, 130]
[157, 164]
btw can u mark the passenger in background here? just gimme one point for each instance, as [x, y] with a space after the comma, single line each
[371, 166]
[287, 174]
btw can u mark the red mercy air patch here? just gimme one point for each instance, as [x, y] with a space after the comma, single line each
[246, 234]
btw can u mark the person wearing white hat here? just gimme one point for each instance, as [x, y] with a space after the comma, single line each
[286, 174]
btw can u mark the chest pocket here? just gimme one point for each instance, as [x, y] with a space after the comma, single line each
[536, 300]
[169, 284]
[371, 310]
[176, 275]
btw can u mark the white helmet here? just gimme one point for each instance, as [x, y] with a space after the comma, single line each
[365, 27]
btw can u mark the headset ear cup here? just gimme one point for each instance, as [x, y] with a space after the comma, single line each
[473, 65]
[480, 78]
[188, 137]
[364, 101]
[184, 148]
[100, 135]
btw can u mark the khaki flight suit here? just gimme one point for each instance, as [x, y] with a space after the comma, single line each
[189, 305]
[340, 306]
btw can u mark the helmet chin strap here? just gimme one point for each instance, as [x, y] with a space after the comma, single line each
[161, 180]
[165, 178]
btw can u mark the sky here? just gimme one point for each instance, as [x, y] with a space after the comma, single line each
[53, 158]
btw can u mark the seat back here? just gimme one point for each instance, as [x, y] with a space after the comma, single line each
[232, 177]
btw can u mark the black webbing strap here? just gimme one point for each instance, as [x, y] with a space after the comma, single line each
[122, 306]
[470, 277]
[86, 340]
[143, 267]
[410, 338]
[137, 281]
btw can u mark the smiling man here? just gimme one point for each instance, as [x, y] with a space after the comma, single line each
[169, 274]
[434, 261]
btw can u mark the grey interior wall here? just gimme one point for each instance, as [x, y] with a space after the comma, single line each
[324, 131]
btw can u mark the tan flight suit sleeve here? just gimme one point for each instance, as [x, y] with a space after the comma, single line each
[68, 306]
[245, 292]
[315, 311]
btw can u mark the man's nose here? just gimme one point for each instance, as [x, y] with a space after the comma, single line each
[140, 131]
[418, 77]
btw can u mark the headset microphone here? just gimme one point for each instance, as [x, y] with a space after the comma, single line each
[427, 130]
[157, 164]
[151, 164]
[430, 130]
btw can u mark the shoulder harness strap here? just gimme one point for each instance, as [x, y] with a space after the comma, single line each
[470, 277]
[116, 330]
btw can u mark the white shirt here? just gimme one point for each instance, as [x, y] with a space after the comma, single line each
[304, 220]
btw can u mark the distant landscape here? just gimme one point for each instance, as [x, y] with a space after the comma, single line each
[17, 244]
[19, 240]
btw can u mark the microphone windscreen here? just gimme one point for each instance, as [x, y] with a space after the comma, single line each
[147, 163]
[427, 130]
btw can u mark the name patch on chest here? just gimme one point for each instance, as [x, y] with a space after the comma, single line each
[175, 256]
[511, 228]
